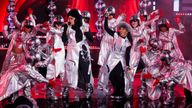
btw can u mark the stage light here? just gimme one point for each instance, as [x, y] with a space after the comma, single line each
[184, 14]
[154, 5]
[176, 5]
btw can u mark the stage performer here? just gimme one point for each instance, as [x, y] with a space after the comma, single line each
[106, 47]
[54, 38]
[78, 59]
[116, 65]
[168, 36]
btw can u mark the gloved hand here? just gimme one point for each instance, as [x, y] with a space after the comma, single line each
[123, 15]
[106, 14]
[52, 82]
[30, 11]
[177, 19]
[155, 82]
[56, 50]
[143, 49]
[142, 18]
[147, 76]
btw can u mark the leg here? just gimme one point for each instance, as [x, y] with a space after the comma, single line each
[51, 93]
[83, 74]
[188, 95]
[117, 79]
[103, 79]
[170, 93]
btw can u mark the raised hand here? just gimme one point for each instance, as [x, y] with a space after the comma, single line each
[143, 49]
[30, 11]
[177, 19]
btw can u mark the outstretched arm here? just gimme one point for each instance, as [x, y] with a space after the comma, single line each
[107, 29]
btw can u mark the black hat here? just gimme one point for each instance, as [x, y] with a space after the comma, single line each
[76, 14]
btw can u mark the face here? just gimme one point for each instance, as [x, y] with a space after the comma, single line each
[134, 24]
[110, 17]
[163, 29]
[71, 20]
[27, 30]
[86, 20]
[123, 32]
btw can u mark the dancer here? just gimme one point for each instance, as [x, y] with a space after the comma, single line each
[168, 36]
[78, 57]
[150, 57]
[13, 80]
[140, 37]
[106, 47]
[15, 55]
[116, 63]
[54, 38]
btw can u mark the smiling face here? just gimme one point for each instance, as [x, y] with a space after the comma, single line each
[123, 32]
[134, 23]
[71, 20]
[110, 17]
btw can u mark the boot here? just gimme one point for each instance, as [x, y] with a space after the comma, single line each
[121, 94]
[114, 94]
[142, 91]
[89, 91]
[51, 94]
[170, 95]
[65, 93]
[12, 98]
[27, 91]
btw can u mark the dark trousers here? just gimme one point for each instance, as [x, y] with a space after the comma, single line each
[83, 76]
[188, 95]
[117, 78]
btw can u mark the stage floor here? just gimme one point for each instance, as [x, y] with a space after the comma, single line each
[77, 100]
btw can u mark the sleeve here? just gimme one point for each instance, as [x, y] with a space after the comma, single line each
[181, 29]
[39, 27]
[6, 34]
[32, 19]
[36, 75]
[89, 36]
[16, 22]
[127, 55]
[107, 29]
[130, 38]
[64, 35]
[78, 33]
[118, 20]
[146, 60]
[149, 22]
[137, 33]
[56, 31]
